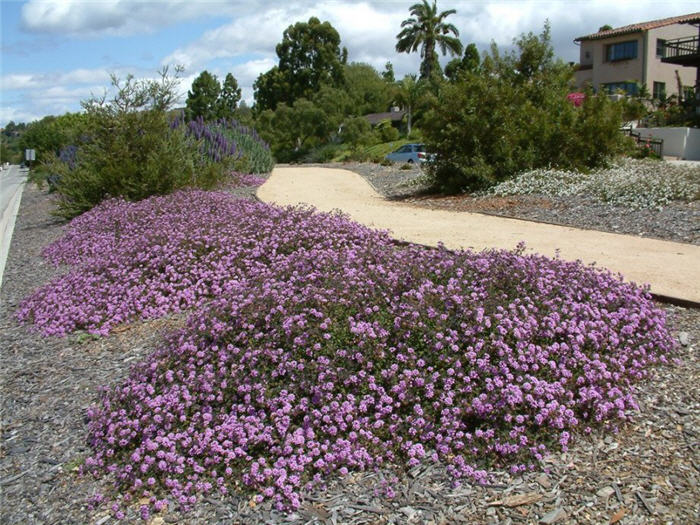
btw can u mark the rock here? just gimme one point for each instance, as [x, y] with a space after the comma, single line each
[553, 516]
[605, 493]
[684, 338]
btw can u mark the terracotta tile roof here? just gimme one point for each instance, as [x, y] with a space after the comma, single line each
[642, 26]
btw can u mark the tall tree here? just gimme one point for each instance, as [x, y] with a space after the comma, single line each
[409, 95]
[229, 97]
[470, 62]
[203, 97]
[426, 29]
[309, 56]
[388, 73]
[368, 91]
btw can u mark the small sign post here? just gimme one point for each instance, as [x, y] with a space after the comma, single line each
[29, 155]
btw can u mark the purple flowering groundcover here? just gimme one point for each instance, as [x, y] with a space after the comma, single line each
[318, 346]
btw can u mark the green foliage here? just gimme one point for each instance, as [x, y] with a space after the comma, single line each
[513, 115]
[357, 131]
[293, 131]
[367, 90]
[387, 132]
[426, 29]
[309, 56]
[203, 98]
[335, 103]
[325, 153]
[256, 156]
[388, 73]
[229, 98]
[470, 62]
[131, 151]
[411, 95]
[48, 135]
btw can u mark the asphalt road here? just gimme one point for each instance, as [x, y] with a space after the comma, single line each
[12, 181]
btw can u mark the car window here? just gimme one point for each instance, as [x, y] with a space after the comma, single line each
[403, 149]
[420, 147]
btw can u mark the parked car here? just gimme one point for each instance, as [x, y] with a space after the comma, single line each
[410, 153]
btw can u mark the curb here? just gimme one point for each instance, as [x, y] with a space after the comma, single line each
[8, 222]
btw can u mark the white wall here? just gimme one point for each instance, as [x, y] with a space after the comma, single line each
[683, 143]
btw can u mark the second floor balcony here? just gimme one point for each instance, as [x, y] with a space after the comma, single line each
[682, 51]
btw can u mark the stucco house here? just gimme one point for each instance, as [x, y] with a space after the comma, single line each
[626, 57]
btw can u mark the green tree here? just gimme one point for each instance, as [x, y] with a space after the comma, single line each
[426, 29]
[410, 94]
[368, 91]
[309, 56]
[131, 150]
[229, 97]
[293, 130]
[388, 73]
[50, 134]
[512, 114]
[336, 103]
[471, 60]
[202, 99]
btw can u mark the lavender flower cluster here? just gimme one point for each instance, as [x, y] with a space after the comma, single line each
[325, 348]
[167, 254]
[226, 139]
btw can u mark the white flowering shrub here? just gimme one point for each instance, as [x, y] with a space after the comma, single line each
[632, 182]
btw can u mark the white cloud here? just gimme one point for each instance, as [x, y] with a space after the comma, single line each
[33, 81]
[113, 17]
[252, 34]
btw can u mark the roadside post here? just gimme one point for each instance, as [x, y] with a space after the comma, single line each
[29, 155]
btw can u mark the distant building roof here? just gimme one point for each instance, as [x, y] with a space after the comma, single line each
[642, 26]
[376, 118]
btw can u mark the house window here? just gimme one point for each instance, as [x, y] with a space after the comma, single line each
[630, 88]
[621, 51]
[660, 44]
[660, 90]
[587, 54]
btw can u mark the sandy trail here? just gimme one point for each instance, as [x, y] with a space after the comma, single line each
[672, 269]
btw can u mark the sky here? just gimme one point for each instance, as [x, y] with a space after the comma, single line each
[56, 53]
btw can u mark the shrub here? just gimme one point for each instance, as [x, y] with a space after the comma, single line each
[513, 115]
[325, 153]
[387, 132]
[131, 152]
[326, 348]
[357, 131]
[226, 140]
[633, 183]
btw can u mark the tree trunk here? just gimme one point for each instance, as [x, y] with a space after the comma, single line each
[427, 65]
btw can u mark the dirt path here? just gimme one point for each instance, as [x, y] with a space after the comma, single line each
[672, 269]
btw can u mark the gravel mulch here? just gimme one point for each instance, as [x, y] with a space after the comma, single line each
[646, 473]
[678, 222]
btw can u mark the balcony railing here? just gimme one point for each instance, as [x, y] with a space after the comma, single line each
[682, 50]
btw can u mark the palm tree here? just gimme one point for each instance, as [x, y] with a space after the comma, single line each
[409, 94]
[427, 29]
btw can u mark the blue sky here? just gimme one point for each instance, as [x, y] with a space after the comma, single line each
[58, 52]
